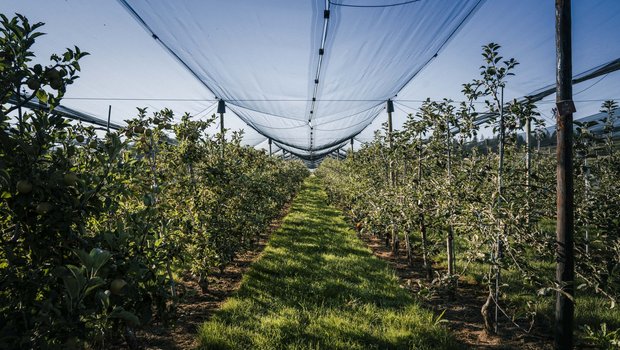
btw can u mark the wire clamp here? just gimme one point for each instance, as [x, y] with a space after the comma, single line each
[565, 107]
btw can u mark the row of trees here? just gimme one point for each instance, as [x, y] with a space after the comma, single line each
[448, 198]
[97, 227]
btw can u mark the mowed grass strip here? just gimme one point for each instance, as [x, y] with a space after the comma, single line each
[317, 287]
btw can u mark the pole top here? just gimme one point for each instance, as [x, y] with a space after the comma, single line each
[390, 106]
[221, 106]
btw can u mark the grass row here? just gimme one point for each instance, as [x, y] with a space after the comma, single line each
[317, 287]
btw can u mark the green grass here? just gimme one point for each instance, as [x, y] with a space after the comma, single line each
[317, 287]
[590, 308]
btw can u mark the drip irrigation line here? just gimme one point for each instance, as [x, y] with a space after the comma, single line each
[374, 6]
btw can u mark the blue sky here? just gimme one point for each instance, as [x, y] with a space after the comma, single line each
[126, 62]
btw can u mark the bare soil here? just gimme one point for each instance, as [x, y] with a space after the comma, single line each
[462, 306]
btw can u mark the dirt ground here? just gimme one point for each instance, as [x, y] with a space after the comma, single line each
[462, 308]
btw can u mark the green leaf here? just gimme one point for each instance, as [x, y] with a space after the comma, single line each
[99, 258]
[93, 285]
[42, 96]
[127, 316]
[85, 258]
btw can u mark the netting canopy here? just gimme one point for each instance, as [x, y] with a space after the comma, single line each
[308, 74]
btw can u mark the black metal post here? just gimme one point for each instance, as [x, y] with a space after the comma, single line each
[109, 115]
[221, 109]
[390, 109]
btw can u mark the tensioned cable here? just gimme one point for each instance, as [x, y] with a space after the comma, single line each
[172, 99]
[269, 114]
[448, 38]
[589, 87]
[205, 111]
[352, 115]
[367, 120]
[282, 127]
[178, 58]
[373, 6]
[141, 99]
[258, 130]
[406, 106]
[168, 48]
[579, 101]
[317, 77]
[402, 110]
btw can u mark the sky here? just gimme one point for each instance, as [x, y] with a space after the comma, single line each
[264, 51]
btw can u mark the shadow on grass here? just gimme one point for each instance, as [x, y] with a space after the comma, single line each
[317, 287]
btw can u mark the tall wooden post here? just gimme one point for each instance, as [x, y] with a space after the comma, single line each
[221, 109]
[565, 270]
[586, 178]
[528, 166]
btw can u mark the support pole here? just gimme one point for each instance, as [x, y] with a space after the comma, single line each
[500, 226]
[450, 238]
[270, 147]
[390, 110]
[221, 109]
[565, 270]
[528, 166]
[586, 178]
[352, 148]
[109, 115]
[427, 265]
[392, 182]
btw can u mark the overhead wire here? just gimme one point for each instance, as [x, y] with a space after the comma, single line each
[373, 6]
[589, 87]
